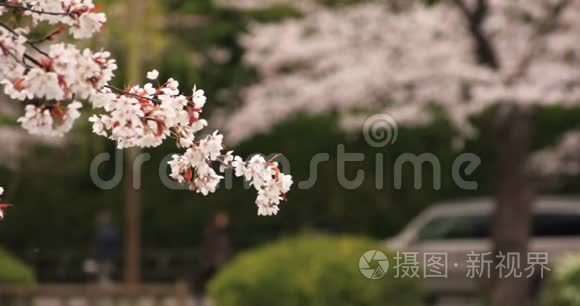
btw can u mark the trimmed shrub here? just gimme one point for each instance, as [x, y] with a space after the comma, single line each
[310, 271]
[13, 271]
[563, 288]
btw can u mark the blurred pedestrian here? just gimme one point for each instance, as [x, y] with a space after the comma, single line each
[107, 247]
[214, 254]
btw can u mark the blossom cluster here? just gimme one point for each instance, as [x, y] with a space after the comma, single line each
[194, 168]
[53, 80]
[265, 176]
[80, 16]
[53, 77]
[64, 74]
[145, 116]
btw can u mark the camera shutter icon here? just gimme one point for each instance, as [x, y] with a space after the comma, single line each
[373, 264]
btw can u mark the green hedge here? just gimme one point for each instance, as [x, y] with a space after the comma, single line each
[563, 288]
[12, 271]
[309, 271]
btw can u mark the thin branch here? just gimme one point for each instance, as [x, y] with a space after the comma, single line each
[20, 7]
[475, 19]
[463, 7]
[276, 155]
[223, 163]
[33, 60]
[124, 92]
[5, 26]
[27, 42]
[47, 37]
[545, 28]
[21, 61]
[18, 60]
[481, 10]
[37, 49]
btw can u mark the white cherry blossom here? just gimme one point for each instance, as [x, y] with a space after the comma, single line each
[3, 206]
[80, 16]
[153, 74]
[50, 120]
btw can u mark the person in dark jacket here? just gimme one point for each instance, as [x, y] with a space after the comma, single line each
[107, 246]
[214, 254]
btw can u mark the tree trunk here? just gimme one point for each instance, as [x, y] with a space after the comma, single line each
[132, 221]
[513, 214]
[135, 12]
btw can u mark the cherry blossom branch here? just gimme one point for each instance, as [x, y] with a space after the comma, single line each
[137, 116]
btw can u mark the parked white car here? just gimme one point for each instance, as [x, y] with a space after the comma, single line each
[463, 227]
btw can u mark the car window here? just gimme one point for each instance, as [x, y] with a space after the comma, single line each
[478, 227]
[556, 225]
[462, 227]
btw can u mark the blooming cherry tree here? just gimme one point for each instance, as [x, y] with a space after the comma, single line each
[464, 57]
[347, 59]
[54, 80]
